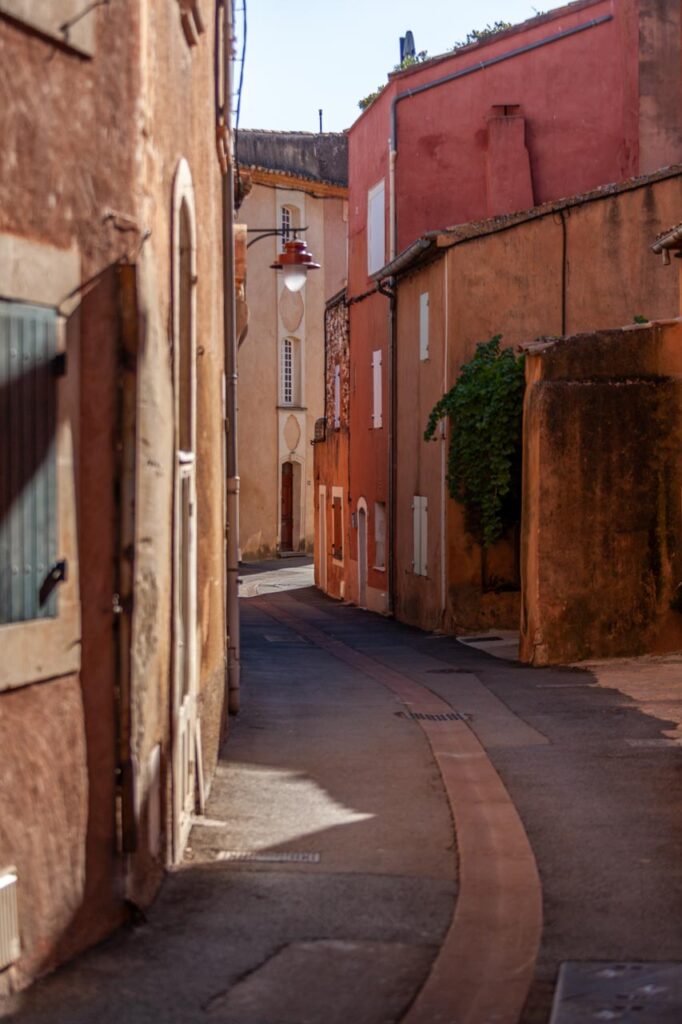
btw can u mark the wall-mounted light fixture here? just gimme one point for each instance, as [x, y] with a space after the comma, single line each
[296, 259]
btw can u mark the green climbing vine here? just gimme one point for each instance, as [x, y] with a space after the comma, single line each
[484, 457]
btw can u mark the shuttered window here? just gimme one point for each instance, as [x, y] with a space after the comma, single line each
[420, 506]
[424, 326]
[337, 527]
[28, 464]
[377, 418]
[376, 229]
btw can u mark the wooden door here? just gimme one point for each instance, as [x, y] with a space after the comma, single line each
[287, 510]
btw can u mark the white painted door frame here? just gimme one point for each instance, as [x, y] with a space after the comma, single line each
[185, 625]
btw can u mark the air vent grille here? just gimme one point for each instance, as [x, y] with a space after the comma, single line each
[9, 918]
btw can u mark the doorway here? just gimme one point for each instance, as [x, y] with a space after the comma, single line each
[362, 554]
[286, 542]
[184, 680]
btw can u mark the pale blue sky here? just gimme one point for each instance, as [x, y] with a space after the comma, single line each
[301, 56]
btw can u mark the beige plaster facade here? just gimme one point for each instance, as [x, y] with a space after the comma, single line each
[281, 364]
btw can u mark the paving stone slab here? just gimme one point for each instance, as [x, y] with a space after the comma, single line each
[624, 993]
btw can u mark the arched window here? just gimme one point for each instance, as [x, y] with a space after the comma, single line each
[290, 372]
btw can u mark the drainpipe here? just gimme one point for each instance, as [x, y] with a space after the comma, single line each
[125, 544]
[230, 359]
[462, 73]
[388, 289]
[564, 269]
[392, 217]
[443, 446]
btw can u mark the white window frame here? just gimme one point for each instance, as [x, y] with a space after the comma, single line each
[420, 524]
[285, 224]
[424, 326]
[376, 228]
[290, 371]
[377, 390]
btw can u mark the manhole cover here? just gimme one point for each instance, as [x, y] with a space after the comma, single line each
[622, 992]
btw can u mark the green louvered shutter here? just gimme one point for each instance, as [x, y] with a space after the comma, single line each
[28, 467]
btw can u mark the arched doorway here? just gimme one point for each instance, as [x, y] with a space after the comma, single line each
[286, 541]
[184, 682]
[362, 553]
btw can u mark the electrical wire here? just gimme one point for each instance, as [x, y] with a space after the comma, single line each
[238, 200]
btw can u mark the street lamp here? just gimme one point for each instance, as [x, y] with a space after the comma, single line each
[294, 262]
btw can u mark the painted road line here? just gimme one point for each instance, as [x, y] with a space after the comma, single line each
[485, 966]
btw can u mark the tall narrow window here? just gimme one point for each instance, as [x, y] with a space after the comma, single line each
[377, 418]
[337, 526]
[289, 220]
[424, 326]
[337, 397]
[379, 535]
[286, 225]
[420, 506]
[376, 228]
[29, 533]
[289, 369]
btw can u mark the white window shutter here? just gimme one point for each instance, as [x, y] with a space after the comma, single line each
[416, 530]
[423, 535]
[376, 229]
[377, 411]
[424, 326]
[420, 506]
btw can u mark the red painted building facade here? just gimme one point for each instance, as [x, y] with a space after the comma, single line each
[565, 102]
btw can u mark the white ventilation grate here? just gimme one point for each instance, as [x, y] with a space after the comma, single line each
[9, 918]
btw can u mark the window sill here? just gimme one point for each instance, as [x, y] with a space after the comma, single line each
[295, 408]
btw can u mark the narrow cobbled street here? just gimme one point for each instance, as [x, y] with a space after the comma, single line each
[404, 828]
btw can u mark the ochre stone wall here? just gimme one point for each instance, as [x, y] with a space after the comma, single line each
[602, 524]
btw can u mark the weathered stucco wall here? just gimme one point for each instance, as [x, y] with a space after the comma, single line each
[68, 161]
[588, 266]
[43, 813]
[602, 524]
[90, 160]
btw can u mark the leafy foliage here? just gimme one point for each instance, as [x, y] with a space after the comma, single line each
[406, 62]
[484, 457]
[477, 35]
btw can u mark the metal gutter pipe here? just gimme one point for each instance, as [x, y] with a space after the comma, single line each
[462, 73]
[389, 292]
[230, 360]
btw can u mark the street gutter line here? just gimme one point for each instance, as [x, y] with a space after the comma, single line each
[486, 963]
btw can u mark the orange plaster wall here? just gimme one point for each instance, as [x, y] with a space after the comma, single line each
[511, 282]
[419, 470]
[602, 518]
